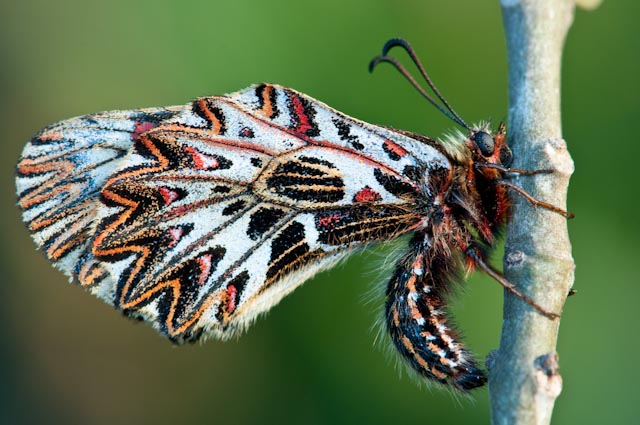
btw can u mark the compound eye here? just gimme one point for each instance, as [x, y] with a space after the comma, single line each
[506, 156]
[484, 142]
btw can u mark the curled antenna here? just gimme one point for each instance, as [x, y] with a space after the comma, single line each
[449, 111]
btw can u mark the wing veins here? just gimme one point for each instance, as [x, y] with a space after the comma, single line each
[308, 140]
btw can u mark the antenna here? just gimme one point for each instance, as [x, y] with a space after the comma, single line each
[449, 111]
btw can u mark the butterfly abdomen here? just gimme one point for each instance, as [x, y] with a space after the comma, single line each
[418, 323]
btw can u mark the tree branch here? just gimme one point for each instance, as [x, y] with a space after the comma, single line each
[524, 380]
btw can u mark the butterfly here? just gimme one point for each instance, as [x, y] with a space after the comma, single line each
[198, 218]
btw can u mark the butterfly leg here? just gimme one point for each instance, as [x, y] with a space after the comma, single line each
[511, 171]
[533, 201]
[418, 324]
[476, 257]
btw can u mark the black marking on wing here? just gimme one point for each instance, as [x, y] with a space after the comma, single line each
[206, 109]
[413, 172]
[302, 115]
[234, 291]
[259, 94]
[180, 156]
[240, 281]
[343, 226]
[247, 133]
[153, 117]
[263, 220]
[392, 184]
[344, 132]
[392, 154]
[307, 179]
[288, 246]
[221, 189]
[269, 103]
[233, 208]
[190, 274]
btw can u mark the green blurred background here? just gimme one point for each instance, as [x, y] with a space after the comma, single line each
[68, 358]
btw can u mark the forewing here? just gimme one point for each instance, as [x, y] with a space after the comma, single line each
[319, 124]
[62, 171]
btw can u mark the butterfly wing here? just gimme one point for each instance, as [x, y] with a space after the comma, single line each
[62, 171]
[219, 209]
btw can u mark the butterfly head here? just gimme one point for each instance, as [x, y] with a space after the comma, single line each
[486, 147]
[489, 147]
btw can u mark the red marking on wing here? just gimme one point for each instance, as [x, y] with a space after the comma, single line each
[362, 158]
[204, 263]
[367, 195]
[302, 117]
[395, 148]
[261, 121]
[175, 233]
[141, 127]
[169, 195]
[331, 220]
[246, 132]
[202, 161]
[232, 293]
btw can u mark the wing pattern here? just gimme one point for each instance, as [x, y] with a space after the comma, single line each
[63, 169]
[198, 218]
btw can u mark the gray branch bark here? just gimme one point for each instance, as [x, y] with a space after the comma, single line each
[524, 380]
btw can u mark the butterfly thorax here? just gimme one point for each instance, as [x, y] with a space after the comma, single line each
[465, 202]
